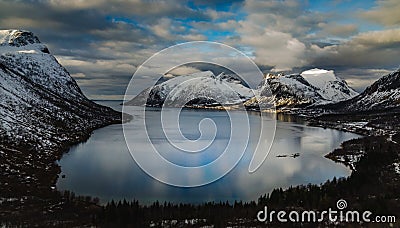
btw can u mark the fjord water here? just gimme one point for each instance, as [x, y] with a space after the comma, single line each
[103, 167]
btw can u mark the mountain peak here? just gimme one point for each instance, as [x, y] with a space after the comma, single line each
[23, 56]
[311, 87]
[17, 38]
[319, 77]
[20, 41]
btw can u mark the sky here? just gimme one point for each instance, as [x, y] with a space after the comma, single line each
[102, 43]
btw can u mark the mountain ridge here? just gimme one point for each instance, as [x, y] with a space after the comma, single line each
[310, 88]
[198, 89]
[318, 87]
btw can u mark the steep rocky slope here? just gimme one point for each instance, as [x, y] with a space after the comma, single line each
[382, 95]
[42, 113]
[311, 87]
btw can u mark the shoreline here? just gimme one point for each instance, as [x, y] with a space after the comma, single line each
[28, 191]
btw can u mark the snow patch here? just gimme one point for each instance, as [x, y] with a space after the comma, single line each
[28, 51]
[318, 77]
[397, 167]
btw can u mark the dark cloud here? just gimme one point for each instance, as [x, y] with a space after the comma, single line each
[337, 30]
[360, 78]
[101, 39]
[377, 49]
[103, 42]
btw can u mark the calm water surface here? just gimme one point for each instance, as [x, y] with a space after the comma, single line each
[103, 167]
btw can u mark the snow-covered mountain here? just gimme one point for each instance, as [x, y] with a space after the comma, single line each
[329, 86]
[311, 87]
[42, 109]
[197, 89]
[384, 94]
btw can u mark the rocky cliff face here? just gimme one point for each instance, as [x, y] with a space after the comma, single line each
[310, 88]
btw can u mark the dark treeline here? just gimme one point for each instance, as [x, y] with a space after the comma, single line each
[132, 213]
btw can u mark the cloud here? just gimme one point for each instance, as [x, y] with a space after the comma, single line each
[122, 31]
[215, 15]
[105, 41]
[373, 49]
[389, 37]
[275, 48]
[78, 75]
[359, 79]
[288, 16]
[287, 37]
[183, 70]
[386, 13]
[110, 87]
[171, 30]
[19, 22]
[277, 32]
[163, 28]
[98, 68]
[338, 30]
[135, 8]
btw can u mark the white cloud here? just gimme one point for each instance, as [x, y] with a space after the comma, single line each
[78, 75]
[275, 48]
[218, 14]
[171, 30]
[163, 28]
[182, 70]
[97, 68]
[270, 28]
